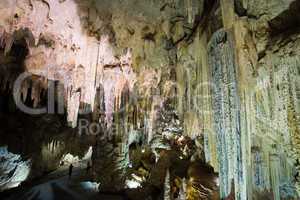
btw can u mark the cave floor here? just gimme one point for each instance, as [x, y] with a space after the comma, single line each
[57, 186]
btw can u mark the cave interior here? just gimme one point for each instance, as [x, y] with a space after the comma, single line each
[150, 99]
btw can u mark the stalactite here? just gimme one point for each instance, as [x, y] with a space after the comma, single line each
[73, 107]
[24, 90]
[274, 112]
[8, 44]
[72, 57]
[226, 112]
[250, 124]
[35, 93]
[274, 174]
[2, 37]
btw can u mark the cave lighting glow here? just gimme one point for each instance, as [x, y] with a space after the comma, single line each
[132, 184]
[90, 186]
[13, 168]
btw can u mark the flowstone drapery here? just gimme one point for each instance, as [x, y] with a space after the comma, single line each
[226, 110]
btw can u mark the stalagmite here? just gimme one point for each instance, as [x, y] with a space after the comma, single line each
[182, 191]
[155, 86]
[167, 187]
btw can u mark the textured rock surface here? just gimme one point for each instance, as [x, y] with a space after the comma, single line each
[38, 144]
[14, 170]
[210, 81]
[226, 111]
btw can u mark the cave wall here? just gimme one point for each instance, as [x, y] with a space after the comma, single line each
[226, 71]
[265, 78]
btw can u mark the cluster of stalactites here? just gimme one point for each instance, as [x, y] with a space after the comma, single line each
[60, 50]
[113, 75]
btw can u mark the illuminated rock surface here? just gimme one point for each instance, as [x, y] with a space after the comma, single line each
[14, 170]
[179, 99]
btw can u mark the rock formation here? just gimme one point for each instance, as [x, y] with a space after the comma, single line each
[200, 97]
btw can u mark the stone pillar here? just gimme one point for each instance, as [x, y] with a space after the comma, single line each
[226, 113]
